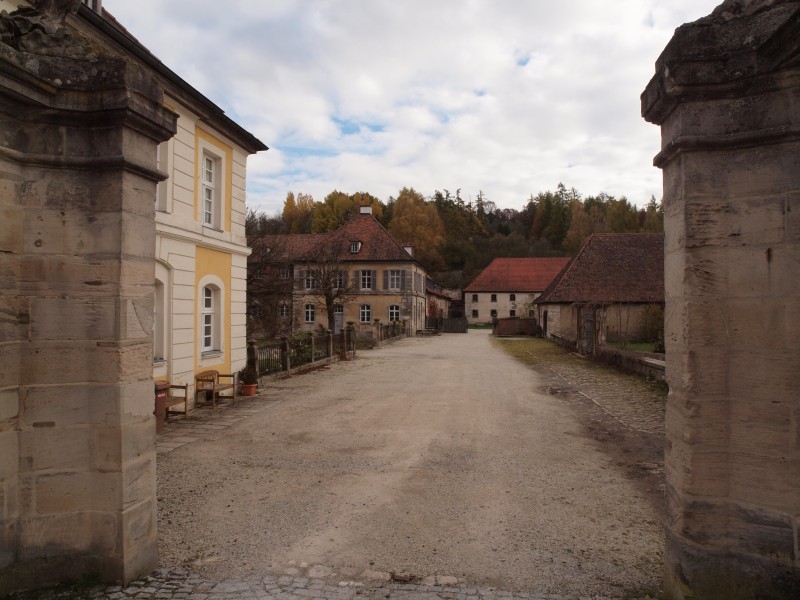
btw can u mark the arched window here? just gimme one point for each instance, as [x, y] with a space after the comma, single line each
[494, 297]
[162, 325]
[512, 297]
[211, 301]
[210, 319]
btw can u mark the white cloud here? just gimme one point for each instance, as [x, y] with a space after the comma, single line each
[502, 96]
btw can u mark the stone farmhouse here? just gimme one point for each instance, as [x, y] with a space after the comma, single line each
[123, 249]
[508, 287]
[603, 293]
[383, 280]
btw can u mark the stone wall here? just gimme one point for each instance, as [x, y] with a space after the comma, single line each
[78, 136]
[514, 326]
[727, 97]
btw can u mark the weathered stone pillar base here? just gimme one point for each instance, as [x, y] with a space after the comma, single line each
[726, 94]
[78, 141]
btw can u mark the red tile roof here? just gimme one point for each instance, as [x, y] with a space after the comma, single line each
[517, 275]
[612, 267]
[376, 243]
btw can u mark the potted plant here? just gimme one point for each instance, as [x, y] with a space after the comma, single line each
[249, 380]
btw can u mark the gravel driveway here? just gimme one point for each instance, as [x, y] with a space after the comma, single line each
[433, 456]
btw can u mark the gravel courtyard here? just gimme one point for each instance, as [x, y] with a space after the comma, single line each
[440, 456]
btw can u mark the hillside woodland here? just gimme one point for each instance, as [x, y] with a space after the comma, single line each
[454, 238]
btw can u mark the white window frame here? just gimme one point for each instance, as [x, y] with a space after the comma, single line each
[215, 213]
[309, 281]
[208, 319]
[310, 312]
[284, 310]
[216, 312]
[355, 247]
[286, 273]
[365, 313]
[338, 281]
[366, 279]
[394, 312]
[395, 279]
[162, 327]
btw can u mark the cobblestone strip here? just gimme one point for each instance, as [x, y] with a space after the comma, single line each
[631, 400]
[179, 584]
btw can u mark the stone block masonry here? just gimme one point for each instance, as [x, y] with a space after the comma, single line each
[78, 137]
[726, 95]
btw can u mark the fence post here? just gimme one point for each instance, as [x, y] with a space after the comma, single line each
[311, 344]
[343, 344]
[286, 363]
[406, 327]
[252, 356]
[377, 334]
[351, 333]
[330, 343]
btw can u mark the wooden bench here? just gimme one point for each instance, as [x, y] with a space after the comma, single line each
[207, 385]
[166, 399]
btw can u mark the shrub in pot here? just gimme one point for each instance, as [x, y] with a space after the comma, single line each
[249, 380]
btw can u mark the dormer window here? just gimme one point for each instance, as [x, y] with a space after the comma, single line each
[355, 247]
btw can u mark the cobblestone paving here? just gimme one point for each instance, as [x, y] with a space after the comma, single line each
[634, 402]
[180, 584]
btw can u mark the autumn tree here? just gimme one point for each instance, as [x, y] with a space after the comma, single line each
[338, 207]
[297, 212]
[418, 223]
[653, 221]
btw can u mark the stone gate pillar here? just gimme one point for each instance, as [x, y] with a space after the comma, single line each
[78, 137]
[726, 94]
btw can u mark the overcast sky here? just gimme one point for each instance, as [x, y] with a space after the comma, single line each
[509, 97]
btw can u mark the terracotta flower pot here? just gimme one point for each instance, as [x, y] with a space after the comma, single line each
[248, 389]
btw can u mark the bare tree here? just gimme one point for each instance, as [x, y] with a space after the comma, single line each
[327, 278]
[267, 287]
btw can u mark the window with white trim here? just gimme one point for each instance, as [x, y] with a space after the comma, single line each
[212, 182]
[209, 315]
[284, 310]
[394, 312]
[395, 279]
[355, 247]
[159, 323]
[309, 281]
[310, 313]
[339, 280]
[366, 280]
[286, 274]
[208, 190]
[365, 313]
